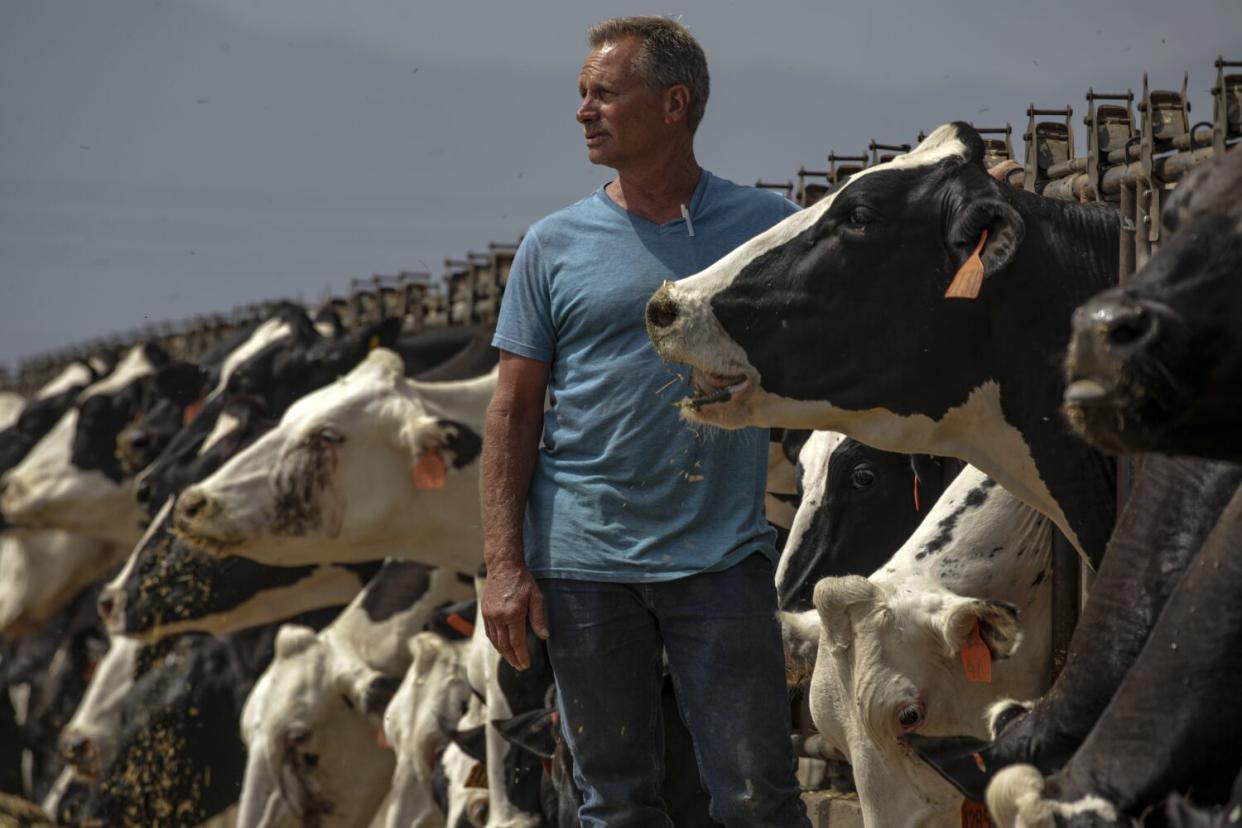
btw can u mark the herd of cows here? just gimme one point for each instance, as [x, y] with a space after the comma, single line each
[242, 590]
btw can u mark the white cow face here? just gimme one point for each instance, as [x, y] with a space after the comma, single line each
[310, 728]
[432, 699]
[353, 463]
[91, 736]
[889, 664]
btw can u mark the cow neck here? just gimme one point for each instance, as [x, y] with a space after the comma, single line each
[1051, 280]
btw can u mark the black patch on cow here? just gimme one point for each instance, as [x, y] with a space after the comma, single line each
[472, 741]
[366, 570]
[463, 441]
[379, 693]
[975, 498]
[1039, 579]
[394, 589]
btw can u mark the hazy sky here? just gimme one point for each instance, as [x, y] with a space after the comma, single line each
[161, 158]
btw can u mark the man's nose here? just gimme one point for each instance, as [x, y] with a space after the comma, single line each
[586, 111]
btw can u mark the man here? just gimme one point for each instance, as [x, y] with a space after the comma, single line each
[630, 532]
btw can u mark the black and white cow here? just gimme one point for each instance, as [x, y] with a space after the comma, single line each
[42, 411]
[1176, 503]
[282, 359]
[837, 318]
[1156, 365]
[310, 723]
[41, 571]
[373, 462]
[168, 586]
[885, 651]
[72, 478]
[858, 506]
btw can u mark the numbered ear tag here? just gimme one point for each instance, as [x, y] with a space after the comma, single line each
[429, 471]
[969, 278]
[975, 815]
[977, 659]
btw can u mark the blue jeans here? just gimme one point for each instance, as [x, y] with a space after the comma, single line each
[724, 651]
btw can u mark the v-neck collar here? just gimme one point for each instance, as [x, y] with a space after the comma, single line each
[695, 200]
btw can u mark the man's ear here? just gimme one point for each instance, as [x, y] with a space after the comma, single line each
[1004, 227]
[676, 103]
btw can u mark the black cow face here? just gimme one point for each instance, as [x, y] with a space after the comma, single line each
[1156, 365]
[178, 392]
[857, 514]
[812, 314]
[102, 416]
[36, 419]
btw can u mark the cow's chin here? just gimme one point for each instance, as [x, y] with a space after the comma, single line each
[213, 538]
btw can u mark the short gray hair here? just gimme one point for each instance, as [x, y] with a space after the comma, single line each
[669, 56]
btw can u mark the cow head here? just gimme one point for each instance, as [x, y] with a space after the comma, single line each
[888, 665]
[840, 309]
[90, 738]
[281, 360]
[432, 699]
[310, 727]
[72, 478]
[41, 571]
[178, 393]
[39, 414]
[1156, 364]
[858, 506]
[370, 461]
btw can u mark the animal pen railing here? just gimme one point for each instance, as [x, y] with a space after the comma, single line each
[1131, 161]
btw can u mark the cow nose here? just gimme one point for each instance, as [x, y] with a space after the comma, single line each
[1119, 323]
[662, 309]
[190, 504]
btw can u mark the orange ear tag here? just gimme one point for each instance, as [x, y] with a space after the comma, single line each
[191, 411]
[381, 739]
[977, 659]
[429, 471]
[969, 278]
[975, 815]
[460, 624]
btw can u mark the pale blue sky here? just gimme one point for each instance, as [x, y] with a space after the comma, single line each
[160, 158]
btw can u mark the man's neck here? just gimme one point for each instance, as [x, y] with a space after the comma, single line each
[656, 192]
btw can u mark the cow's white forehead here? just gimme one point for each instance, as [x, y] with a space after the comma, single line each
[226, 423]
[11, 406]
[73, 374]
[133, 366]
[268, 333]
[374, 376]
[815, 453]
[942, 143]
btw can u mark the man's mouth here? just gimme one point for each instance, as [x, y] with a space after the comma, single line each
[593, 138]
[714, 388]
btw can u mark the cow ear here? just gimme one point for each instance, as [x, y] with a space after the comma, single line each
[472, 741]
[293, 639]
[1005, 231]
[997, 622]
[457, 444]
[841, 600]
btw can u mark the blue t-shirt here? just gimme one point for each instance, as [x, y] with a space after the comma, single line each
[623, 488]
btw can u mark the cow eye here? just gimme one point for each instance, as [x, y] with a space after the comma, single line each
[859, 217]
[862, 477]
[330, 435]
[910, 717]
[310, 760]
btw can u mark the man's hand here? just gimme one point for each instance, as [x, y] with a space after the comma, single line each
[511, 598]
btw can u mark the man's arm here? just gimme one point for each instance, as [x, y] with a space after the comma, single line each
[510, 444]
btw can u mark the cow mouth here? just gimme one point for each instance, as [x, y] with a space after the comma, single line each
[716, 389]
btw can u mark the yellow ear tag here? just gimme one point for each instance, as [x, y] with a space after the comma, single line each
[969, 278]
[373, 343]
[429, 471]
[977, 659]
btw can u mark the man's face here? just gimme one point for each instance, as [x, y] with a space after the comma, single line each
[622, 118]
